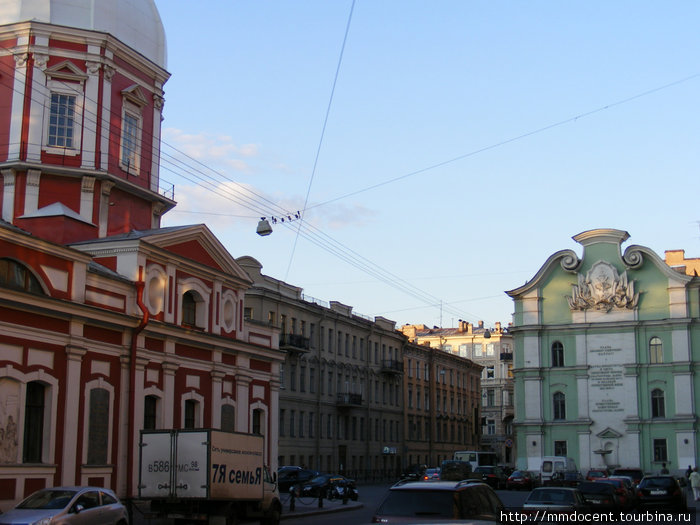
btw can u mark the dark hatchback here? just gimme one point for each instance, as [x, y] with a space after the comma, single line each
[288, 477]
[661, 492]
[327, 485]
[494, 476]
[521, 479]
[554, 500]
[439, 501]
[600, 496]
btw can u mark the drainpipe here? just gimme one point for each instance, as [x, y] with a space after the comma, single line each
[140, 285]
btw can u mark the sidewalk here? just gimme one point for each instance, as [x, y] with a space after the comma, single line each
[309, 506]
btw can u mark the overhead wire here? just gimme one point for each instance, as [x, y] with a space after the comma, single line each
[211, 183]
[320, 141]
[265, 206]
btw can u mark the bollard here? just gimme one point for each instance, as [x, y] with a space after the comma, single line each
[292, 497]
[320, 498]
[345, 496]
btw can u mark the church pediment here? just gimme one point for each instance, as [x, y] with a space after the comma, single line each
[609, 433]
[66, 70]
[198, 244]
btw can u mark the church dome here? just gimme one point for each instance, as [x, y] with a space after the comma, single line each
[136, 23]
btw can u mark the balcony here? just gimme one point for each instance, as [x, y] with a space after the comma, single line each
[294, 343]
[392, 366]
[506, 356]
[349, 400]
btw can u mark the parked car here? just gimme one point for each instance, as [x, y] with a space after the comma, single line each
[332, 486]
[566, 479]
[594, 474]
[68, 505]
[554, 500]
[453, 470]
[623, 490]
[431, 473]
[521, 480]
[600, 496]
[662, 492]
[414, 471]
[287, 477]
[494, 476]
[437, 501]
[635, 473]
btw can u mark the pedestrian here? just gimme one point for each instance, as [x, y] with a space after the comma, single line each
[695, 483]
[688, 472]
[664, 470]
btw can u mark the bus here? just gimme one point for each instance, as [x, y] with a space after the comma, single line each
[477, 458]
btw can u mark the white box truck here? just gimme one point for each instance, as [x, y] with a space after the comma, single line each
[207, 476]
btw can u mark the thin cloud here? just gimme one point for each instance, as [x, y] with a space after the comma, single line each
[212, 149]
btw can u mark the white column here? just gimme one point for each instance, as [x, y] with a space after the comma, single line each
[87, 197]
[169, 400]
[217, 377]
[31, 192]
[8, 195]
[103, 219]
[18, 95]
[71, 425]
[106, 114]
[90, 123]
[39, 100]
[155, 161]
[272, 414]
[242, 402]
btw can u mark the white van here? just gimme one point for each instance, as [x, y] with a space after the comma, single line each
[556, 466]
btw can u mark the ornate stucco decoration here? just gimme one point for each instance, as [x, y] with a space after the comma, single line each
[603, 289]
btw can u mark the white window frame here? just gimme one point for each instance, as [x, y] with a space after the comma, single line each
[65, 88]
[130, 109]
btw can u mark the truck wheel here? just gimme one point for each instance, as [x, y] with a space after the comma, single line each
[274, 516]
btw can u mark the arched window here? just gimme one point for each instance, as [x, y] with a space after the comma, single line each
[656, 350]
[228, 418]
[16, 275]
[557, 354]
[189, 309]
[98, 427]
[150, 412]
[658, 404]
[191, 413]
[559, 405]
[33, 423]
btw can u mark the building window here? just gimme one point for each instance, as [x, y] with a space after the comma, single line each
[257, 421]
[302, 379]
[33, 423]
[228, 418]
[490, 372]
[490, 427]
[560, 448]
[658, 406]
[656, 350]
[98, 427]
[247, 313]
[559, 400]
[62, 121]
[131, 131]
[150, 412]
[660, 450]
[192, 303]
[16, 275]
[191, 409]
[292, 422]
[281, 422]
[557, 354]
[490, 397]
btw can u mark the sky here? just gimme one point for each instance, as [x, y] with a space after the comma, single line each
[436, 152]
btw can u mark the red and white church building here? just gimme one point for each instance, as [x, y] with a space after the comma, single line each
[109, 324]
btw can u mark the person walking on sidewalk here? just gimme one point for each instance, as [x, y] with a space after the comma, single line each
[695, 483]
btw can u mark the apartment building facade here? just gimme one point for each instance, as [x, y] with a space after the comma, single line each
[442, 409]
[492, 350]
[341, 397]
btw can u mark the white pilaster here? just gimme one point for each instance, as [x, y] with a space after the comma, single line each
[87, 197]
[242, 402]
[18, 95]
[8, 195]
[71, 425]
[92, 85]
[31, 192]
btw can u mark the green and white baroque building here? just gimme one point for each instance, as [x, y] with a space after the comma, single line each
[606, 353]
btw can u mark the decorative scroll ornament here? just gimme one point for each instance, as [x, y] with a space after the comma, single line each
[603, 289]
